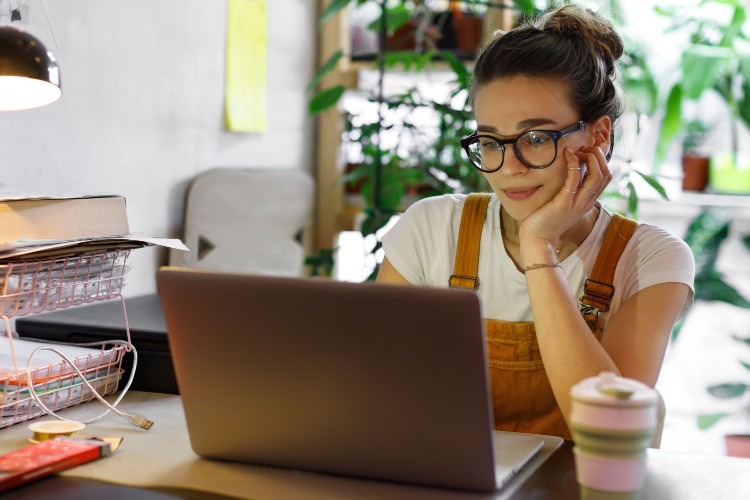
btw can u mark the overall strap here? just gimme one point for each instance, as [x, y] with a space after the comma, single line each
[469, 237]
[599, 288]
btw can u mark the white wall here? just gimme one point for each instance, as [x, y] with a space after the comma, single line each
[142, 108]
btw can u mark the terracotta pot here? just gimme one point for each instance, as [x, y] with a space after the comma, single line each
[468, 32]
[738, 445]
[404, 37]
[695, 172]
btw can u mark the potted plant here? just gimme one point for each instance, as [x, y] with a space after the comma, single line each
[715, 60]
[695, 162]
[737, 444]
[705, 236]
[467, 24]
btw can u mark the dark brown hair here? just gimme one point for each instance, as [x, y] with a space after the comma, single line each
[572, 44]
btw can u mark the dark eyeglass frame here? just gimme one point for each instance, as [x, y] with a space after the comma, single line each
[555, 135]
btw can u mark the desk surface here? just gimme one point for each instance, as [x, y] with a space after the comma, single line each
[161, 461]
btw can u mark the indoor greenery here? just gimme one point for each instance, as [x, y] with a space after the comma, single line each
[705, 235]
[429, 162]
[716, 58]
[421, 162]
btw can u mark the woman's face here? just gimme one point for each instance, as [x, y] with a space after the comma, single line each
[507, 107]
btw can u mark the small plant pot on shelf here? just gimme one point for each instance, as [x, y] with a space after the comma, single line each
[726, 176]
[468, 32]
[738, 445]
[695, 172]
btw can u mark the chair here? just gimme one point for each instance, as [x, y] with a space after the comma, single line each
[247, 220]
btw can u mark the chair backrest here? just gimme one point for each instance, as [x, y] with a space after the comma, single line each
[247, 220]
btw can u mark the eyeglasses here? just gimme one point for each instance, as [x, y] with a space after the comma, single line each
[533, 148]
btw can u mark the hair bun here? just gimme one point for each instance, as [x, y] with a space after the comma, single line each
[567, 26]
[595, 31]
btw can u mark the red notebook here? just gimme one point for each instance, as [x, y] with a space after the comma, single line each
[48, 457]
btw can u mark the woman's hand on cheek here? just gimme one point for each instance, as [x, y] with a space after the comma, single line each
[588, 175]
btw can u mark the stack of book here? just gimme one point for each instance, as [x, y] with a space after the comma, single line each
[34, 228]
[61, 251]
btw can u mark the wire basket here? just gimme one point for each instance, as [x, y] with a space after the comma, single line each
[32, 287]
[57, 386]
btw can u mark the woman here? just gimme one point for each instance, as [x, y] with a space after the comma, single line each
[545, 100]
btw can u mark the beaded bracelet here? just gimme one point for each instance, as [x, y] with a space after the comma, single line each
[540, 266]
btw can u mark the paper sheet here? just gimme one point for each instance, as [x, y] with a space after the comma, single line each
[245, 84]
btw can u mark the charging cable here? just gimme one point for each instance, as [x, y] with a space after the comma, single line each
[132, 418]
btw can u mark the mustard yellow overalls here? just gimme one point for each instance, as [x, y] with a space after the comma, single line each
[522, 396]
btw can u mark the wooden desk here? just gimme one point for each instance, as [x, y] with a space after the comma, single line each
[159, 464]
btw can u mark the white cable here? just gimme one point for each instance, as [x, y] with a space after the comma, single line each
[134, 419]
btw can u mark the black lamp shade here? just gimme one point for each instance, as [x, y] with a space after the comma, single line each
[29, 76]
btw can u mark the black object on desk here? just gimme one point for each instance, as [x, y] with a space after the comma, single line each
[105, 321]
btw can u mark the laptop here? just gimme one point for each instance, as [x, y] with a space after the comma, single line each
[368, 380]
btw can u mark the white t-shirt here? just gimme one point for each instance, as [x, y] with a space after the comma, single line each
[422, 248]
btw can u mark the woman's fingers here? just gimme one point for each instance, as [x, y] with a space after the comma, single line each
[598, 174]
[576, 173]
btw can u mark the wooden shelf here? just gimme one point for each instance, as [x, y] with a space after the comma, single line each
[333, 212]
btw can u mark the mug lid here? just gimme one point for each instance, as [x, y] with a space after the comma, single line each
[609, 389]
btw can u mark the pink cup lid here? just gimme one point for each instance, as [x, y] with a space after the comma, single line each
[610, 390]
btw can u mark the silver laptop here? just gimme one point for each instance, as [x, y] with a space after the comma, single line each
[368, 380]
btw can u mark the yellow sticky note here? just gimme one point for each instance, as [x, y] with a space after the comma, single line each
[245, 90]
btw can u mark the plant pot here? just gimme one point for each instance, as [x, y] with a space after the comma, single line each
[468, 32]
[727, 177]
[404, 38]
[738, 445]
[694, 172]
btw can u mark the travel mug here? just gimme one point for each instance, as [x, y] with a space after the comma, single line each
[613, 420]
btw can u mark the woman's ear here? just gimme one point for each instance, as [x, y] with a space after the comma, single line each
[601, 132]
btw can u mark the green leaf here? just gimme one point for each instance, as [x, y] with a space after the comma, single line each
[395, 17]
[327, 67]
[654, 183]
[632, 199]
[728, 391]
[708, 421]
[362, 171]
[527, 7]
[743, 105]
[734, 29]
[705, 235]
[408, 59]
[333, 8]
[322, 263]
[714, 288]
[701, 66]
[746, 365]
[325, 99]
[670, 124]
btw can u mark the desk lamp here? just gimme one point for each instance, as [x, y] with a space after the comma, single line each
[29, 76]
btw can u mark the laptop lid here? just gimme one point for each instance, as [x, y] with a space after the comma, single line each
[368, 380]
